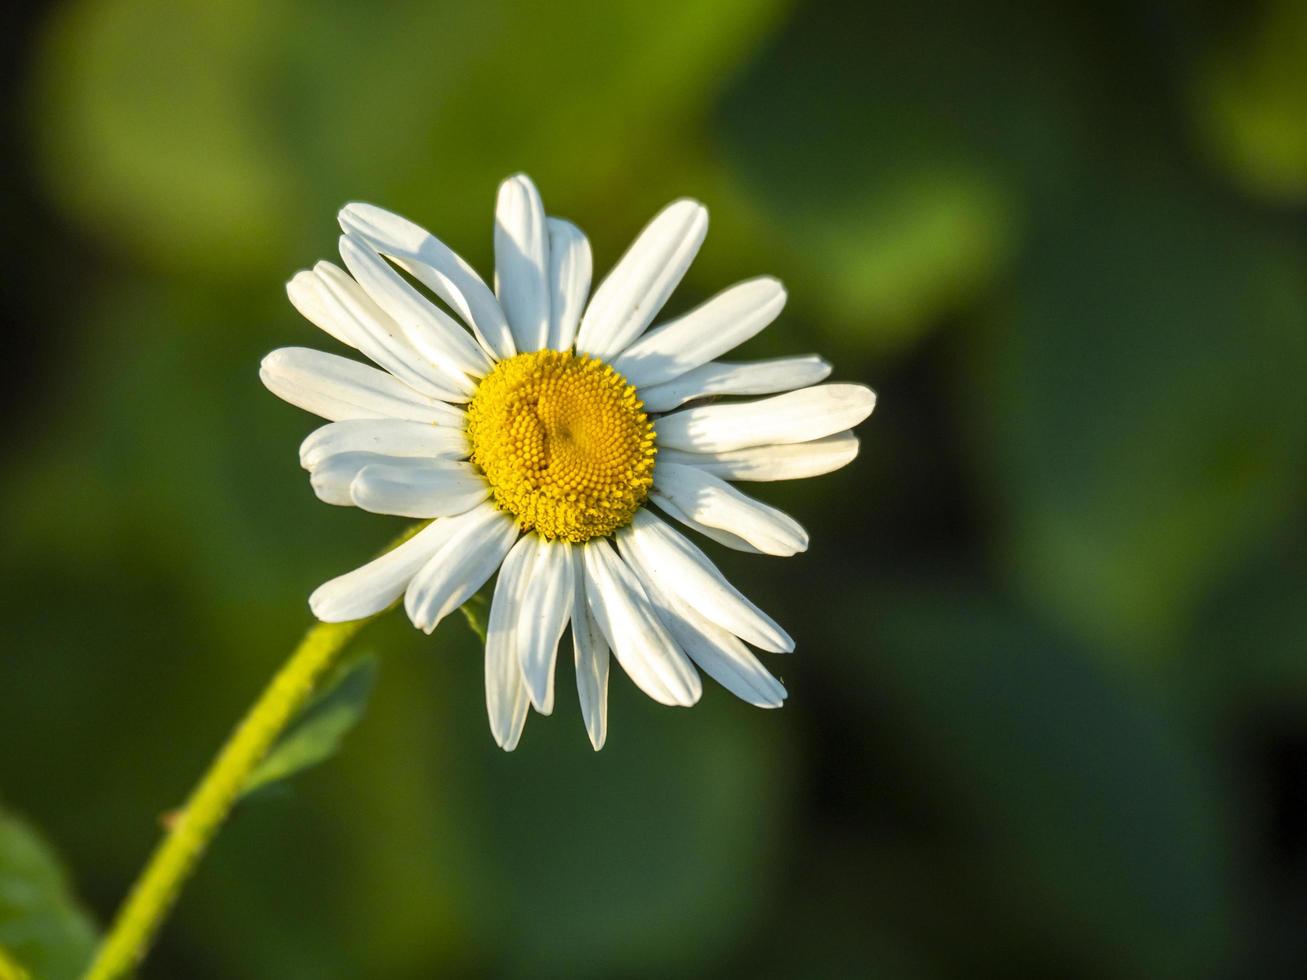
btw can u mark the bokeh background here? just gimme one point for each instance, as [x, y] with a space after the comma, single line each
[1048, 714]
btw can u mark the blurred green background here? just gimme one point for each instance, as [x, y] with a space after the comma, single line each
[1048, 714]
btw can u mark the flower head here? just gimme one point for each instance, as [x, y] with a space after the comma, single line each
[564, 443]
[535, 430]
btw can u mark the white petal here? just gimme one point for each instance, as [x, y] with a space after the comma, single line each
[380, 582]
[305, 294]
[721, 655]
[431, 331]
[736, 378]
[438, 267]
[570, 267]
[712, 533]
[386, 437]
[337, 388]
[713, 502]
[592, 656]
[663, 555]
[476, 545]
[332, 477]
[633, 630]
[543, 616]
[797, 416]
[795, 461]
[372, 332]
[633, 293]
[522, 262]
[711, 328]
[507, 701]
[422, 488]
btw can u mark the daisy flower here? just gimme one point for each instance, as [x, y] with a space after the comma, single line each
[534, 430]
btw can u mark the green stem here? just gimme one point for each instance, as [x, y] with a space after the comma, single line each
[176, 857]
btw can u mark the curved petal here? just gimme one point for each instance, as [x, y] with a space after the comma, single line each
[663, 555]
[797, 416]
[373, 333]
[633, 630]
[477, 543]
[305, 294]
[570, 268]
[374, 586]
[736, 378]
[795, 461]
[711, 328]
[592, 657]
[716, 651]
[332, 477]
[716, 503]
[436, 266]
[337, 388]
[643, 279]
[522, 262]
[711, 533]
[420, 488]
[385, 437]
[543, 616]
[431, 330]
[507, 701]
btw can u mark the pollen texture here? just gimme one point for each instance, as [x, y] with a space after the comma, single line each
[564, 443]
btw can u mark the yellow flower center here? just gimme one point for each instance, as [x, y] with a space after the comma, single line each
[564, 442]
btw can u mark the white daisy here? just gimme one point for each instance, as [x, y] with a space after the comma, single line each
[536, 441]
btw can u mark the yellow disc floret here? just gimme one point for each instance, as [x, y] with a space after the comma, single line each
[564, 443]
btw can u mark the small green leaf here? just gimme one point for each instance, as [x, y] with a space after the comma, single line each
[43, 930]
[477, 613]
[317, 735]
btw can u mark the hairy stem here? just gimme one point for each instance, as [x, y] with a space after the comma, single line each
[178, 854]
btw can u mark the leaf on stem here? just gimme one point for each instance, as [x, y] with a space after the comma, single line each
[477, 612]
[44, 932]
[317, 735]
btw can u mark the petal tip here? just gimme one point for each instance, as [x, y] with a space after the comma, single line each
[693, 213]
[321, 606]
[520, 179]
[689, 697]
[301, 280]
[361, 216]
[272, 362]
[344, 217]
